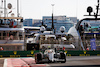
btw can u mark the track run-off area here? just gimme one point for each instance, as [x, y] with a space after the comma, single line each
[22, 62]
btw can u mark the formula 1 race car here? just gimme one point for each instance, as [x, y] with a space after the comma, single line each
[50, 55]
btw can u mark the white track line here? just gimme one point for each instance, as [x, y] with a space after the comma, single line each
[5, 63]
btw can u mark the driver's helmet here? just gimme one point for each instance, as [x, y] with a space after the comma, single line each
[49, 47]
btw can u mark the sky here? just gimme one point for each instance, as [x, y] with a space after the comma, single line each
[36, 9]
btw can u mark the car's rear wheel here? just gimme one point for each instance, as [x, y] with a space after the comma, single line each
[38, 58]
[63, 56]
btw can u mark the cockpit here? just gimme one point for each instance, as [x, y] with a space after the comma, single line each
[49, 51]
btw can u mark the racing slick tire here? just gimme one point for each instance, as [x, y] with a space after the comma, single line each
[63, 61]
[38, 58]
[63, 56]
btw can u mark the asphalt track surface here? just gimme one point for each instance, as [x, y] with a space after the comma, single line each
[72, 61]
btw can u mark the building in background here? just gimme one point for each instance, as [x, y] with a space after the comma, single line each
[57, 19]
[74, 19]
[37, 22]
[58, 22]
[28, 22]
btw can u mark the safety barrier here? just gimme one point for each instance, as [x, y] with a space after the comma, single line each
[17, 53]
[82, 53]
[31, 53]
